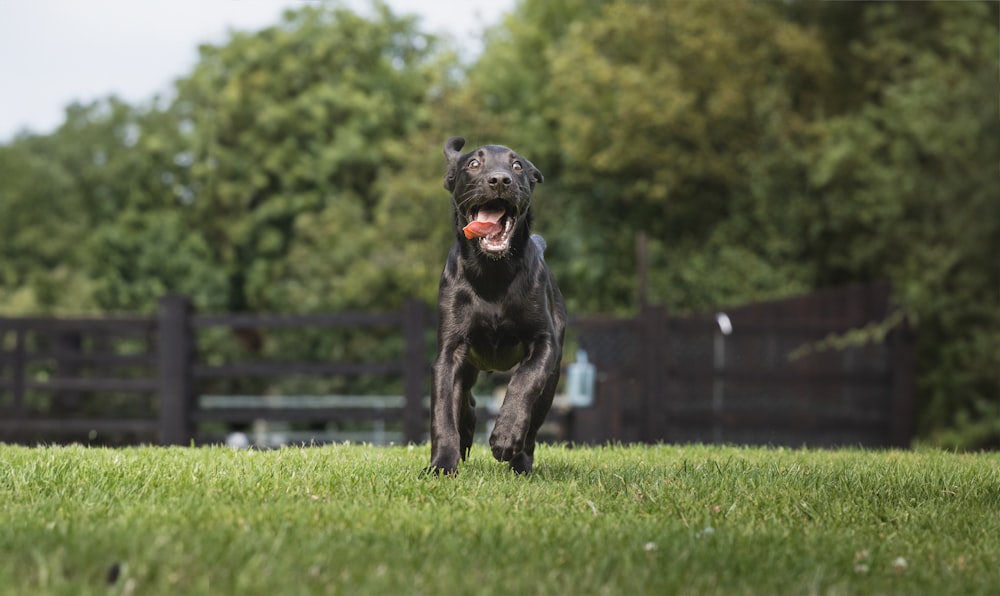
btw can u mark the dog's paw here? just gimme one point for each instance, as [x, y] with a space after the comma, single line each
[506, 445]
[507, 439]
[521, 463]
[442, 465]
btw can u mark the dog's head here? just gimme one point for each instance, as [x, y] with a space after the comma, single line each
[492, 185]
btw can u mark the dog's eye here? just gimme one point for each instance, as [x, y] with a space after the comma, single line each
[516, 166]
[473, 164]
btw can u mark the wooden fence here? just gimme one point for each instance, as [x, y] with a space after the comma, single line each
[60, 377]
[811, 370]
[139, 379]
[120, 380]
[180, 385]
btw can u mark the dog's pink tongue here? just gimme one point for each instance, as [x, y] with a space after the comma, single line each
[487, 222]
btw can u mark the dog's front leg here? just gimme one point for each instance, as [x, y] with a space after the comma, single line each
[528, 399]
[453, 418]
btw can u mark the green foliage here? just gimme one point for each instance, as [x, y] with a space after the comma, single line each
[648, 120]
[146, 255]
[637, 520]
[290, 131]
[43, 222]
[905, 188]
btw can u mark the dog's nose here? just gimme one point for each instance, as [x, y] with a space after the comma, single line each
[499, 179]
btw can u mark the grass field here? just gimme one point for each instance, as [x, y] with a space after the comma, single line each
[616, 520]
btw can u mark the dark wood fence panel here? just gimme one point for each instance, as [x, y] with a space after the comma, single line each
[78, 379]
[614, 346]
[114, 380]
[768, 382]
[407, 368]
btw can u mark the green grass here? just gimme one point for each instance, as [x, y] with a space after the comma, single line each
[619, 520]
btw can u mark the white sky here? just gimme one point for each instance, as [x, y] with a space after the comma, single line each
[54, 52]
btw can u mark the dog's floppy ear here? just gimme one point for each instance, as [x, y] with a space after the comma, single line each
[534, 174]
[452, 152]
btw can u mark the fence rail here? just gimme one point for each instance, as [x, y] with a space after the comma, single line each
[660, 377]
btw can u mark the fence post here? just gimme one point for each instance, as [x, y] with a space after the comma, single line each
[903, 368]
[655, 330]
[414, 368]
[175, 382]
[18, 365]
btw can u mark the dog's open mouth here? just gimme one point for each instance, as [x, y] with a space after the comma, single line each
[492, 223]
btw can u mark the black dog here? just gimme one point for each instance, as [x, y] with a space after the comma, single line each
[498, 307]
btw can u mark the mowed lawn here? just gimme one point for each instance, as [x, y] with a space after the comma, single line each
[615, 520]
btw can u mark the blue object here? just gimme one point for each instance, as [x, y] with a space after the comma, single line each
[580, 381]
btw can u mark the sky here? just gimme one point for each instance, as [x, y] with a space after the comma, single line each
[55, 52]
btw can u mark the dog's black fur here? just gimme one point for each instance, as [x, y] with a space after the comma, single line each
[498, 307]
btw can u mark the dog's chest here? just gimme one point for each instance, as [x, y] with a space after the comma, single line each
[494, 344]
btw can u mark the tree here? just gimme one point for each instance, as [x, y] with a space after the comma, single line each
[39, 228]
[647, 118]
[59, 189]
[290, 134]
[903, 183]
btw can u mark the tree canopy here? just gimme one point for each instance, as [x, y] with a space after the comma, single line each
[765, 149]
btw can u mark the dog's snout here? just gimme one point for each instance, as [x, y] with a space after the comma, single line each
[499, 179]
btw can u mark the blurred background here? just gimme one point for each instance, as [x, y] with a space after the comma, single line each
[291, 162]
